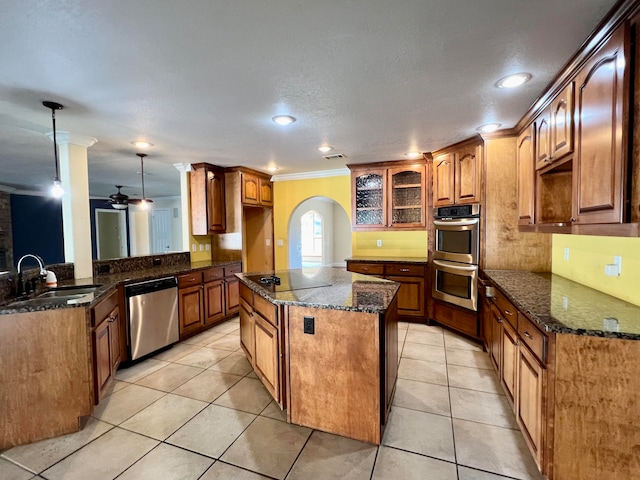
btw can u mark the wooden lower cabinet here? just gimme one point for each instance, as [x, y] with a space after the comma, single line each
[105, 320]
[260, 338]
[410, 276]
[207, 297]
[266, 358]
[530, 401]
[509, 361]
[457, 318]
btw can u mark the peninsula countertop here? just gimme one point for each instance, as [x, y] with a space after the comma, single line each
[560, 305]
[331, 288]
[109, 282]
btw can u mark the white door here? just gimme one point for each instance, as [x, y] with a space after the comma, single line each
[161, 230]
[111, 240]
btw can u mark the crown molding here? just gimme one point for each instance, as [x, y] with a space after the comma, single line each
[308, 175]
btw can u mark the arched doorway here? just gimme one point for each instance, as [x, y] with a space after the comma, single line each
[330, 232]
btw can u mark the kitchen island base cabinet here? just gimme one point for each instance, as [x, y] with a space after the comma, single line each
[335, 379]
[46, 384]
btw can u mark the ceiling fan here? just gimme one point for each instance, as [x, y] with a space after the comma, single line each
[120, 201]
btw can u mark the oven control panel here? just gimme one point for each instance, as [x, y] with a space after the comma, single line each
[457, 211]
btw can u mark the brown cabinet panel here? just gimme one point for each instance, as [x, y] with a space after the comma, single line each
[462, 320]
[468, 168]
[250, 189]
[247, 330]
[496, 321]
[266, 359]
[562, 124]
[410, 295]
[107, 348]
[443, 180]
[232, 295]
[534, 338]
[212, 274]
[115, 341]
[190, 306]
[509, 361]
[530, 399]
[208, 213]
[543, 139]
[189, 279]
[213, 301]
[266, 192]
[598, 169]
[526, 177]
[102, 360]
[366, 268]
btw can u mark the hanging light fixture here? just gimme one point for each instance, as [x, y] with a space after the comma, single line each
[56, 189]
[143, 202]
[119, 200]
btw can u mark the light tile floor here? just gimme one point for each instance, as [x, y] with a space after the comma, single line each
[197, 411]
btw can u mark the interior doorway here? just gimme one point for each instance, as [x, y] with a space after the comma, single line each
[161, 230]
[111, 239]
[329, 240]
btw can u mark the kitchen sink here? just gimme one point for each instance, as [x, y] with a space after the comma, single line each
[69, 291]
[34, 302]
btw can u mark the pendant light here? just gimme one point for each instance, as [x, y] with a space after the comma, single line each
[56, 189]
[144, 202]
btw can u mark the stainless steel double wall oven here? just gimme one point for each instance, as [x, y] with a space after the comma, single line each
[456, 255]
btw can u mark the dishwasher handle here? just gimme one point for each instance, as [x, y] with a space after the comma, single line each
[150, 286]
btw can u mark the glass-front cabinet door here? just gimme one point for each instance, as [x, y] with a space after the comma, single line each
[369, 199]
[407, 197]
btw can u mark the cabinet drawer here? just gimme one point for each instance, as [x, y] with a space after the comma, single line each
[366, 268]
[507, 310]
[212, 274]
[231, 269]
[104, 309]
[404, 269]
[189, 279]
[246, 294]
[534, 338]
[265, 308]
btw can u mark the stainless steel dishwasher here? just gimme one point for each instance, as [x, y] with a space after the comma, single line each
[152, 315]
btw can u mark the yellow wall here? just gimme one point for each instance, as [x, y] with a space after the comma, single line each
[289, 194]
[588, 256]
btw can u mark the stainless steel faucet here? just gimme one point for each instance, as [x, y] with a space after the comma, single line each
[43, 272]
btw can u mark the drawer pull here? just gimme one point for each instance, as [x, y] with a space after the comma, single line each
[507, 312]
[527, 334]
[366, 269]
[404, 269]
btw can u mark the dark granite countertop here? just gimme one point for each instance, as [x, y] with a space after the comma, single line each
[332, 288]
[418, 260]
[560, 305]
[108, 283]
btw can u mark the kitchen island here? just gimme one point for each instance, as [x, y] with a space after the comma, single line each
[324, 342]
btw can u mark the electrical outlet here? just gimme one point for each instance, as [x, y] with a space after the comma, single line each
[194, 247]
[566, 253]
[267, 242]
[207, 247]
[280, 242]
[379, 243]
[565, 303]
[202, 247]
[309, 325]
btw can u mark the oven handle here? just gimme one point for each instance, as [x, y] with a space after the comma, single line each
[455, 223]
[458, 267]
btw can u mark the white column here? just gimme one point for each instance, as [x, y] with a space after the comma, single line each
[184, 168]
[76, 224]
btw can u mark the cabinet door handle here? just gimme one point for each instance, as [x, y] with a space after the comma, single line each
[507, 312]
[527, 334]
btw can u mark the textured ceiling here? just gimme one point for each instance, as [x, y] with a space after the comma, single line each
[201, 80]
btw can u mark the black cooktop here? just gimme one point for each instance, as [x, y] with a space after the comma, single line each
[287, 281]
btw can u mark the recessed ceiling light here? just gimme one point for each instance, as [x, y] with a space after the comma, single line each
[414, 154]
[512, 81]
[142, 144]
[283, 119]
[489, 127]
[272, 169]
[325, 148]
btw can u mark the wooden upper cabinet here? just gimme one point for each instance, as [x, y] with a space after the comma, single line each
[598, 175]
[443, 180]
[256, 190]
[208, 212]
[457, 174]
[388, 196]
[468, 168]
[561, 142]
[543, 139]
[526, 177]
[407, 206]
[369, 198]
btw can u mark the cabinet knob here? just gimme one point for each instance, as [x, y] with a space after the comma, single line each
[507, 312]
[500, 320]
[573, 220]
[527, 334]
